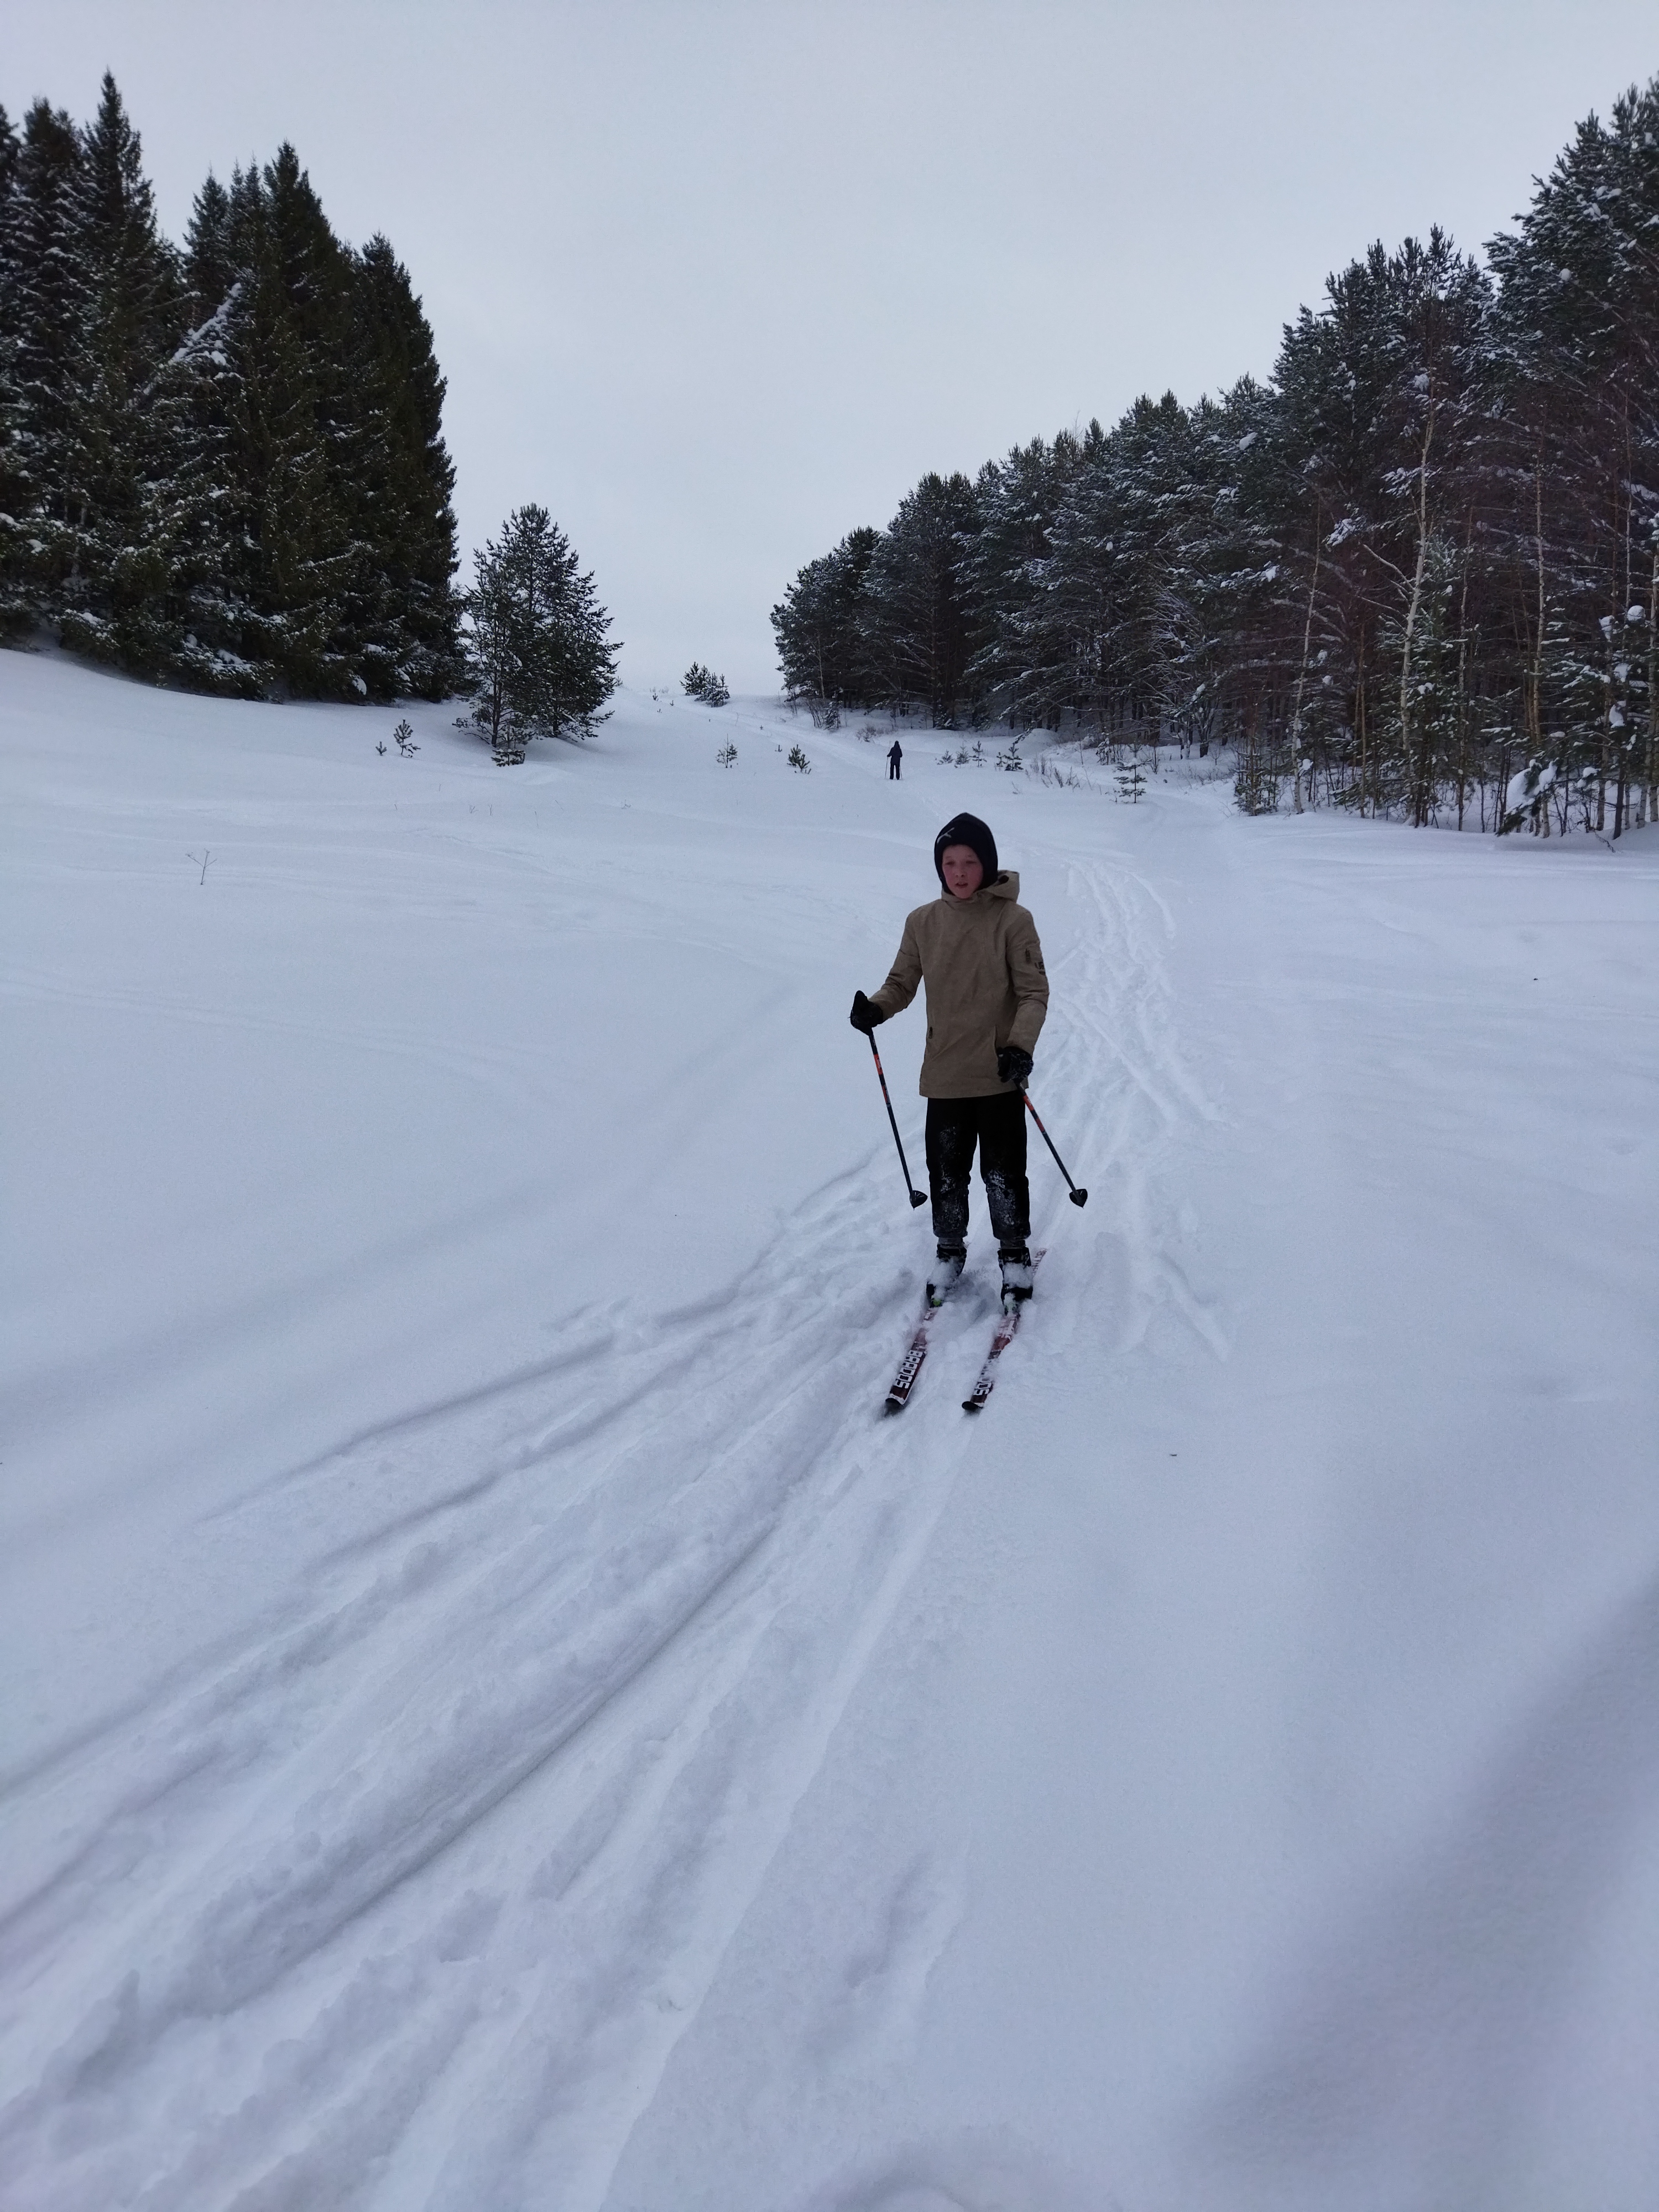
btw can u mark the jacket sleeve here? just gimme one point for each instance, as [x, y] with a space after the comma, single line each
[902, 978]
[1029, 980]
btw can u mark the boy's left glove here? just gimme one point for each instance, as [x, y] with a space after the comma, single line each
[1014, 1065]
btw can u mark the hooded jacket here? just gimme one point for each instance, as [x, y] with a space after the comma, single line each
[987, 985]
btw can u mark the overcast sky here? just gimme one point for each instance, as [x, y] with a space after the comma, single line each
[717, 280]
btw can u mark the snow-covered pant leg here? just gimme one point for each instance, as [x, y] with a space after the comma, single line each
[996, 1126]
[1002, 1163]
[953, 1132]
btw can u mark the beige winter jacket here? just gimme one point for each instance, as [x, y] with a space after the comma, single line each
[986, 986]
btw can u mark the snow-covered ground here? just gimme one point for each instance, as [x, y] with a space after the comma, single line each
[496, 1721]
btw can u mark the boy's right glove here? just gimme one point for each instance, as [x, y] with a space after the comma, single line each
[1014, 1065]
[864, 1016]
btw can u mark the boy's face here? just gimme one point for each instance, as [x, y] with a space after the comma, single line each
[964, 873]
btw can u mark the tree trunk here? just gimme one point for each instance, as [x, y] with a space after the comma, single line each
[1302, 674]
[1463, 676]
[1420, 809]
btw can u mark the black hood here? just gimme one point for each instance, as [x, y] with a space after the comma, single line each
[966, 829]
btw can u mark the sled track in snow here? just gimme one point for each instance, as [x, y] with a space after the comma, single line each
[404, 1898]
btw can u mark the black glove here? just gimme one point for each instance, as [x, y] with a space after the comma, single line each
[864, 1016]
[1014, 1065]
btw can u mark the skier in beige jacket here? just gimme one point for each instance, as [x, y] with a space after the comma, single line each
[975, 948]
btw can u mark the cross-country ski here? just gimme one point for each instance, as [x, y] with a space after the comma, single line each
[1007, 1328]
[904, 1381]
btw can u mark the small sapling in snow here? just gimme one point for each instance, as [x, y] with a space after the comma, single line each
[206, 859]
[701, 683]
[798, 761]
[380, 747]
[727, 754]
[403, 738]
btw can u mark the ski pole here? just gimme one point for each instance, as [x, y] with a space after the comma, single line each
[917, 1197]
[1078, 1197]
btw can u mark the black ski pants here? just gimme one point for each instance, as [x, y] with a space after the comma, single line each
[893, 775]
[997, 1125]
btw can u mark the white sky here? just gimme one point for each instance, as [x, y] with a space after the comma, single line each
[715, 283]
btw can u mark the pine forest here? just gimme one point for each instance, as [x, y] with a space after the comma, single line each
[1415, 573]
[222, 465]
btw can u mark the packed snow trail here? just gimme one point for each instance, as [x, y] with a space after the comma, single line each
[501, 1718]
[581, 1645]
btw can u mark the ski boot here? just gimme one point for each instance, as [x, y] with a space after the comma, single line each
[1017, 1274]
[947, 1273]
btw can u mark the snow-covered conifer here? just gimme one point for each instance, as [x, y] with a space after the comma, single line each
[116, 535]
[539, 663]
[919, 621]
[701, 683]
[47, 295]
[821, 629]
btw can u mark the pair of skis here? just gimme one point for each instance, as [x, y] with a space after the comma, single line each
[898, 1396]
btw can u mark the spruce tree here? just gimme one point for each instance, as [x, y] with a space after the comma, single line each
[118, 528]
[13, 481]
[305, 436]
[406, 478]
[820, 625]
[48, 290]
[209, 265]
[539, 664]
[224, 465]
[921, 628]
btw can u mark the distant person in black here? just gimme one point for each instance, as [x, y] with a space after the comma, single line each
[895, 755]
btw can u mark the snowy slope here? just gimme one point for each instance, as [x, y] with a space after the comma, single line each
[494, 1720]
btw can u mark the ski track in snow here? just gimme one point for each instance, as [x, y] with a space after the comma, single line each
[405, 1901]
[483, 1835]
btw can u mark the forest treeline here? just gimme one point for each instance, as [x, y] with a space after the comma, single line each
[221, 463]
[1415, 574]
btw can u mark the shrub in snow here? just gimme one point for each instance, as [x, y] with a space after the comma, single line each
[701, 683]
[798, 760]
[727, 754]
[1527, 799]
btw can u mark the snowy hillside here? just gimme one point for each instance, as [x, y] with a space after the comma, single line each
[496, 1721]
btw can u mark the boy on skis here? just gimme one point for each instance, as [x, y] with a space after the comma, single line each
[977, 949]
